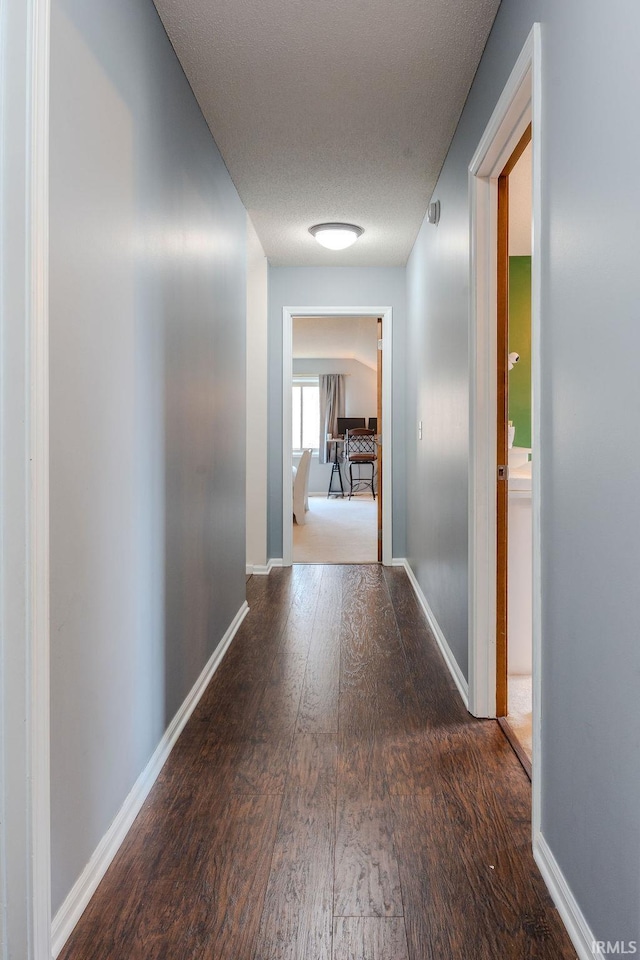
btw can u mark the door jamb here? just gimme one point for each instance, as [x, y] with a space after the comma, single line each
[288, 313]
[25, 853]
[519, 105]
[502, 451]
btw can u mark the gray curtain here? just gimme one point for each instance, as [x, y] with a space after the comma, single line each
[331, 407]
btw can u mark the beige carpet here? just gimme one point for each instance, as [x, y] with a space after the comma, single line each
[338, 531]
[520, 711]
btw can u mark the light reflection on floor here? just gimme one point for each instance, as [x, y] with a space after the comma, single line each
[519, 714]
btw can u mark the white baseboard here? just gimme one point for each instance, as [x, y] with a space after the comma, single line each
[86, 884]
[577, 927]
[263, 569]
[441, 640]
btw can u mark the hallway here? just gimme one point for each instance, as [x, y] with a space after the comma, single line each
[330, 799]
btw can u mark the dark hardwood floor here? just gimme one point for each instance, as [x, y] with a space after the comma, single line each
[330, 799]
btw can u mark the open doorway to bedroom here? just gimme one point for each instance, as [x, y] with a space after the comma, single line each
[336, 452]
[383, 431]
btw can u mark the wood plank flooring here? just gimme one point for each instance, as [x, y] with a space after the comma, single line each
[330, 799]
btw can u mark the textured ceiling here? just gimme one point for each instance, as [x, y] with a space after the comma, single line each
[331, 110]
[346, 338]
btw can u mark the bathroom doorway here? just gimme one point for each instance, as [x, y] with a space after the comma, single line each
[519, 105]
[514, 544]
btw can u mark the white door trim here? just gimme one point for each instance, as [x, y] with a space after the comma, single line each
[24, 510]
[519, 104]
[288, 313]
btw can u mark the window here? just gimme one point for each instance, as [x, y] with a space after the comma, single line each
[306, 414]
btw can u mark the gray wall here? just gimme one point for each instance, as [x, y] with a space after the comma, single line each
[147, 407]
[334, 287]
[590, 237]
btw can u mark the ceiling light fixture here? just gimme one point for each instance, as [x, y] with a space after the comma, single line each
[336, 236]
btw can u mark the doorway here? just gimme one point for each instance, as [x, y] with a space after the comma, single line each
[378, 418]
[515, 454]
[335, 440]
[519, 106]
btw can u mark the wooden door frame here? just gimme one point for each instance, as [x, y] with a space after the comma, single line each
[386, 313]
[502, 419]
[379, 366]
[518, 106]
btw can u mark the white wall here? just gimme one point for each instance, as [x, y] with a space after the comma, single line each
[590, 138]
[360, 401]
[340, 338]
[24, 693]
[148, 302]
[257, 315]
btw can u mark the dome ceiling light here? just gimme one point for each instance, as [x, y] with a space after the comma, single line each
[336, 236]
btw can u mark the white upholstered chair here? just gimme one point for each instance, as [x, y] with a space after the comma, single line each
[301, 487]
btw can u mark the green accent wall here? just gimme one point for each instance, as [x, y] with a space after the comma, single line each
[520, 342]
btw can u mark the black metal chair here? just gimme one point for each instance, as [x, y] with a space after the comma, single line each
[360, 450]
